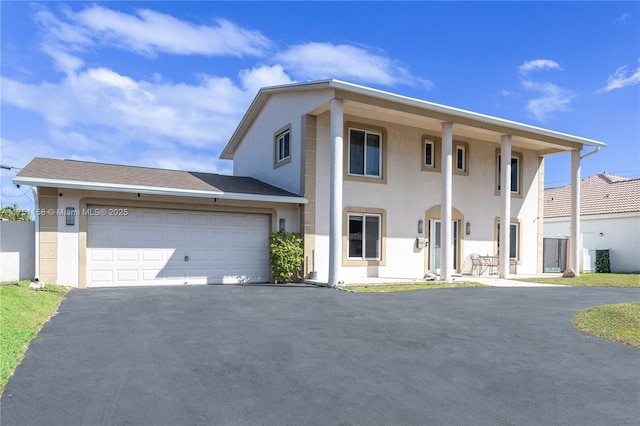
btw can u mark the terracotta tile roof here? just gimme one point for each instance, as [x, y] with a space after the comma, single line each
[599, 194]
[83, 171]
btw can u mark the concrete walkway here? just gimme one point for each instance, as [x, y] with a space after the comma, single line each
[490, 280]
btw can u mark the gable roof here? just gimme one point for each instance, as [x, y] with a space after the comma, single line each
[599, 194]
[440, 112]
[114, 177]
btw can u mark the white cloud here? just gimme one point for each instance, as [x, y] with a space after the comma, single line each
[550, 99]
[256, 78]
[621, 78]
[624, 18]
[151, 32]
[325, 60]
[193, 115]
[538, 64]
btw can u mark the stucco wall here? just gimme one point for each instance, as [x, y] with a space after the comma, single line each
[620, 233]
[254, 156]
[17, 250]
[409, 192]
[71, 239]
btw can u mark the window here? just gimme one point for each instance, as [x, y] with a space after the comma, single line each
[429, 153]
[283, 146]
[461, 160]
[514, 240]
[365, 153]
[515, 173]
[363, 236]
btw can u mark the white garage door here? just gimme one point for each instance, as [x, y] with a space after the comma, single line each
[150, 246]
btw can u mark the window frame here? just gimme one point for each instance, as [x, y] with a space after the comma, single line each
[464, 146]
[278, 156]
[432, 144]
[513, 223]
[363, 212]
[363, 240]
[519, 172]
[364, 159]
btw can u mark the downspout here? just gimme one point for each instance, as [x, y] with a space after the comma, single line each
[589, 154]
[36, 201]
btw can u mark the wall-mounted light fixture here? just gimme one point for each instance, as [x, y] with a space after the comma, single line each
[281, 225]
[467, 228]
[602, 234]
[70, 215]
[420, 226]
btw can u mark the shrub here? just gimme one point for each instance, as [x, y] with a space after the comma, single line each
[286, 256]
[603, 264]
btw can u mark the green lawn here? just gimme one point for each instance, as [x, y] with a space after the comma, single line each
[619, 323]
[592, 280]
[23, 312]
[389, 288]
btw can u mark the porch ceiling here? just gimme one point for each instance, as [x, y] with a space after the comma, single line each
[466, 130]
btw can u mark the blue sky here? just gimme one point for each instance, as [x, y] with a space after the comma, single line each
[164, 84]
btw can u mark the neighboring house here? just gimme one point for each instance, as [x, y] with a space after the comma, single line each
[380, 185]
[610, 219]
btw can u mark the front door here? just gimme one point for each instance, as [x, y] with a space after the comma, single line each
[435, 246]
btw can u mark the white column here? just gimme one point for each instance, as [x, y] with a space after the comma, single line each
[335, 193]
[446, 240]
[505, 205]
[576, 246]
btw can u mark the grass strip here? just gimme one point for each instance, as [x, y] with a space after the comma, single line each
[592, 280]
[619, 322]
[391, 288]
[23, 312]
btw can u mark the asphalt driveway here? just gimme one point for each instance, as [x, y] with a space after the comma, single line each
[239, 355]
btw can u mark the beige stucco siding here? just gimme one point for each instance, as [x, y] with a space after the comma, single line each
[254, 156]
[408, 192]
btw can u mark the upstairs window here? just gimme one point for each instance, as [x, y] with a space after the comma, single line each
[429, 153]
[461, 158]
[516, 163]
[283, 146]
[365, 153]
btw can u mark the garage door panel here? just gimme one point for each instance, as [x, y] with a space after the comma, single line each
[127, 255]
[149, 247]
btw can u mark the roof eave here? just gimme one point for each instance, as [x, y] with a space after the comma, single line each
[155, 190]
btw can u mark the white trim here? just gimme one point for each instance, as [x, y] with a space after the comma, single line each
[156, 190]
[481, 120]
[499, 173]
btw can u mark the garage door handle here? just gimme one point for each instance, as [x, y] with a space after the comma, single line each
[186, 258]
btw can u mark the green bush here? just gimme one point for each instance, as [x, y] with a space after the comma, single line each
[286, 256]
[603, 264]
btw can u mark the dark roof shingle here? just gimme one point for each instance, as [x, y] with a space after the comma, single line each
[83, 171]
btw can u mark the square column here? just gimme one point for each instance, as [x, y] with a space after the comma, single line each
[505, 205]
[575, 243]
[446, 238]
[335, 192]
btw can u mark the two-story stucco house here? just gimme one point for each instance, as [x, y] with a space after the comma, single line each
[380, 185]
[399, 187]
